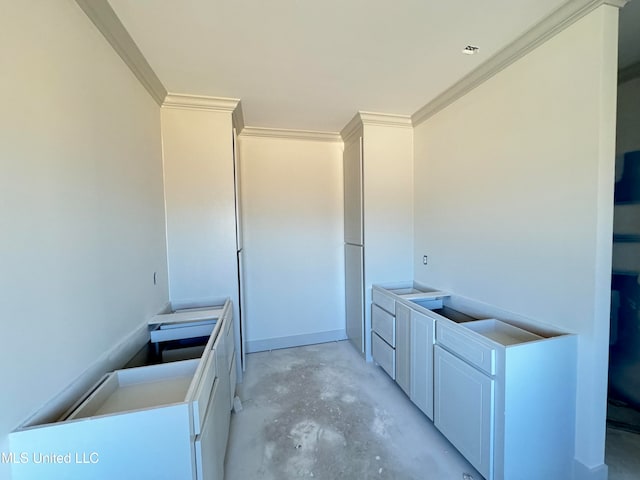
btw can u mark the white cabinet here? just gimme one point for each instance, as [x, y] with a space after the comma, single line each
[422, 337]
[164, 421]
[201, 202]
[464, 408]
[414, 356]
[378, 185]
[503, 395]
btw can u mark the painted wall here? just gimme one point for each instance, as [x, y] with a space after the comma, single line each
[514, 195]
[200, 203]
[293, 240]
[81, 204]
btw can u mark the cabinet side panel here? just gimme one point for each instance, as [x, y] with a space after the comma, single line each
[403, 348]
[422, 338]
[154, 443]
[539, 422]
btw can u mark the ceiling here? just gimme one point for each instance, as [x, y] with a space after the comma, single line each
[297, 64]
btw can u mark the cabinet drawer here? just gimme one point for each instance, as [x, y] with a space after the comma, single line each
[384, 324]
[383, 354]
[178, 331]
[384, 301]
[461, 342]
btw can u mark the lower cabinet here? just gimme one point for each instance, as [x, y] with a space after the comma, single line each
[464, 408]
[504, 396]
[166, 421]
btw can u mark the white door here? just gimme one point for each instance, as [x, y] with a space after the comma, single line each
[354, 295]
[463, 409]
[352, 158]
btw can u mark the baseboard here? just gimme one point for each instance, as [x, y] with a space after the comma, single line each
[110, 360]
[582, 472]
[295, 340]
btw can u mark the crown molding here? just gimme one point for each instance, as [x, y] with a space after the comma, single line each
[629, 73]
[386, 119]
[238, 118]
[557, 21]
[309, 135]
[352, 128]
[357, 123]
[200, 102]
[108, 23]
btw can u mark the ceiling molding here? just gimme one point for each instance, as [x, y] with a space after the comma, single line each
[200, 102]
[560, 19]
[386, 119]
[291, 134]
[629, 73]
[360, 119]
[108, 23]
[352, 128]
[238, 118]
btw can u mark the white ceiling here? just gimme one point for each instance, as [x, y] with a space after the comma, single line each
[309, 65]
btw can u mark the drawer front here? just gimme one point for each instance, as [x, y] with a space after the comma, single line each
[384, 324]
[384, 355]
[179, 332]
[384, 301]
[478, 354]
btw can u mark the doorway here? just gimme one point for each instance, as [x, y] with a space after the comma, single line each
[624, 343]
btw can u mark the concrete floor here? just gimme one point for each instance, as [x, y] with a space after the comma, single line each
[321, 412]
[622, 454]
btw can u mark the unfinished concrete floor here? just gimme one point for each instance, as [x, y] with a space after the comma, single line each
[321, 412]
[622, 454]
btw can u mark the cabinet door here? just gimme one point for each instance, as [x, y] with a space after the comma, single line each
[354, 295]
[422, 338]
[403, 347]
[352, 164]
[463, 409]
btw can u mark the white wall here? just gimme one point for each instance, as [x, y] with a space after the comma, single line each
[81, 203]
[199, 195]
[514, 194]
[293, 240]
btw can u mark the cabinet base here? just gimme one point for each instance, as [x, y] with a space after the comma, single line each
[582, 472]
